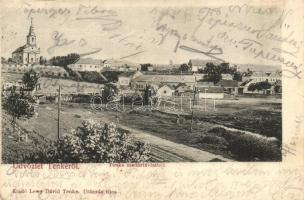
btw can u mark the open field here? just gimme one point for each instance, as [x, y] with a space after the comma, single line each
[221, 132]
[71, 117]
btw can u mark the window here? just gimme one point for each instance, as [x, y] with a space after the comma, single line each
[165, 91]
[32, 59]
[32, 40]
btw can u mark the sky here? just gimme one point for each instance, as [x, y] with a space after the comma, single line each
[140, 35]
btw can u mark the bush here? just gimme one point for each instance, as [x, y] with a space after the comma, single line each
[218, 142]
[93, 143]
[247, 147]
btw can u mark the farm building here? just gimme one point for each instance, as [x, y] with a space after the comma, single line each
[50, 86]
[141, 82]
[87, 64]
[271, 77]
[230, 86]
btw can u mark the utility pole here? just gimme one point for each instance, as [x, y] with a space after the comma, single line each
[194, 93]
[192, 110]
[59, 108]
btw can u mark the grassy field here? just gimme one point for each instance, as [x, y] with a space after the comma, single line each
[261, 117]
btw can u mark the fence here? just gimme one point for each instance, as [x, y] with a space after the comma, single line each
[175, 103]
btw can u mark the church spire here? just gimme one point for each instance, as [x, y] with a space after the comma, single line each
[31, 32]
[31, 38]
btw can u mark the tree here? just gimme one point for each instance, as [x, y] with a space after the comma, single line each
[213, 73]
[18, 105]
[185, 68]
[144, 67]
[237, 76]
[109, 91]
[42, 60]
[64, 61]
[278, 87]
[264, 85]
[93, 143]
[248, 72]
[148, 93]
[30, 79]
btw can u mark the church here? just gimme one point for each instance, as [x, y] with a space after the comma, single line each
[28, 53]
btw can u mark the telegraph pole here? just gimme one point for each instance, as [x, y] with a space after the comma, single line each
[59, 108]
[192, 110]
[194, 93]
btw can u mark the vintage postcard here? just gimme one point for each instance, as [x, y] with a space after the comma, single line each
[152, 100]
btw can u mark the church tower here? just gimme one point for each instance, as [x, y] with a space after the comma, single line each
[28, 53]
[31, 37]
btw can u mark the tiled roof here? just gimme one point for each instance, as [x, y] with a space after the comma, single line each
[166, 78]
[227, 83]
[205, 84]
[49, 85]
[169, 86]
[246, 82]
[89, 61]
[20, 49]
[266, 74]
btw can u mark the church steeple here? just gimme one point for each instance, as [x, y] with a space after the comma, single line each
[31, 37]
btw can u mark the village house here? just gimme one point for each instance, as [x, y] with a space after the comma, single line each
[183, 90]
[87, 64]
[30, 52]
[141, 82]
[107, 64]
[199, 64]
[230, 86]
[274, 78]
[165, 91]
[271, 77]
[124, 79]
[196, 64]
[120, 65]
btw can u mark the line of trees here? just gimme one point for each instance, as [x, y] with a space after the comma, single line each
[64, 61]
[214, 72]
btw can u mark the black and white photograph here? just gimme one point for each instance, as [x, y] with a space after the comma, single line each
[94, 84]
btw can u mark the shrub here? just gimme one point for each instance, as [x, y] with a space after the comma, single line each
[218, 142]
[93, 142]
[247, 147]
